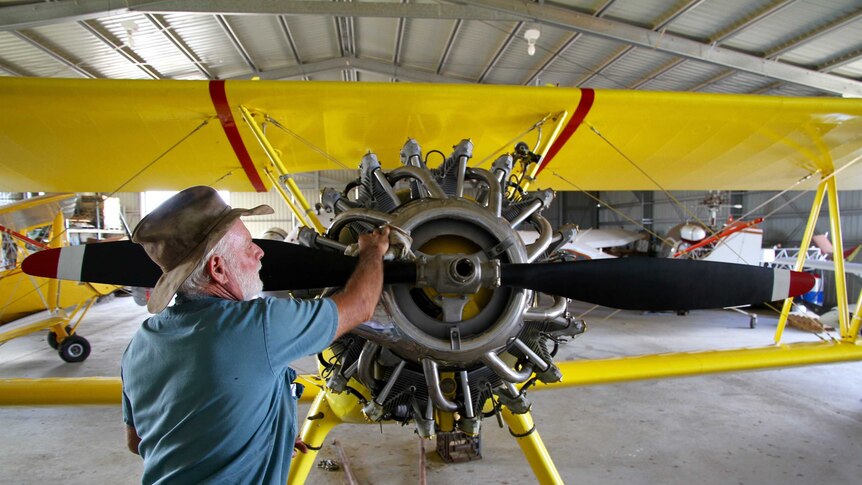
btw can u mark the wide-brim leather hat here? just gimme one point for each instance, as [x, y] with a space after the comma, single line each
[181, 232]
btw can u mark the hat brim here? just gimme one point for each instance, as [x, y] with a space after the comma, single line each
[171, 281]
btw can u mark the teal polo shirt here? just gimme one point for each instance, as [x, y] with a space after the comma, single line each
[206, 384]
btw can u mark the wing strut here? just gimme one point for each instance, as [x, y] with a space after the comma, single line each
[849, 328]
[309, 215]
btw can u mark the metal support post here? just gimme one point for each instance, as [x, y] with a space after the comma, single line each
[293, 208]
[563, 116]
[521, 426]
[816, 204]
[318, 424]
[838, 259]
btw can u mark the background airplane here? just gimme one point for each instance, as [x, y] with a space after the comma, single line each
[56, 306]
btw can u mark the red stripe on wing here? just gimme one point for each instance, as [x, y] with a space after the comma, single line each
[219, 98]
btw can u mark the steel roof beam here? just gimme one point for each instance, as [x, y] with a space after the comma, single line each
[811, 35]
[288, 37]
[673, 44]
[327, 9]
[847, 57]
[14, 71]
[53, 54]
[658, 72]
[575, 36]
[365, 65]
[231, 35]
[399, 40]
[763, 14]
[503, 47]
[31, 15]
[550, 59]
[663, 22]
[712, 80]
[456, 28]
[125, 51]
[181, 46]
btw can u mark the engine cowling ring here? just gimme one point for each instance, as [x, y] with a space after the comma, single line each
[421, 335]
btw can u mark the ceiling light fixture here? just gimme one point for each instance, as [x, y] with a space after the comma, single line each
[531, 35]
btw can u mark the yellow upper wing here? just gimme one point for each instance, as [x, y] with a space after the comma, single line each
[109, 135]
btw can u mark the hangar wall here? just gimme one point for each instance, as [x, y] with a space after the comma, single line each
[785, 216]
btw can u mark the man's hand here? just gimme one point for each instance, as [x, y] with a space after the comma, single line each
[374, 244]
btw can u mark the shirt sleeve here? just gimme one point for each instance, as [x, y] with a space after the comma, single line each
[296, 328]
[127, 411]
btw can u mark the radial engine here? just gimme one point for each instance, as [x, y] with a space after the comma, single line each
[456, 343]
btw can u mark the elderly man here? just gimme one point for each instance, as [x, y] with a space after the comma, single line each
[207, 391]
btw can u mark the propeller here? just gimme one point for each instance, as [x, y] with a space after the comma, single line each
[631, 283]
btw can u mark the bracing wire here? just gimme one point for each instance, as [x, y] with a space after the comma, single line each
[148, 165]
[305, 141]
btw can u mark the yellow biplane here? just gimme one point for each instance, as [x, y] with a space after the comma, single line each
[21, 295]
[251, 135]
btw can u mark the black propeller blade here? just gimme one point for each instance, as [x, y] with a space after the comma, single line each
[634, 283]
[658, 283]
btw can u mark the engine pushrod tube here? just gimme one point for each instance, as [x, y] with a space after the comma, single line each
[422, 176]
[495, 193]
[432, 378]
[462, 172]
[468, 398]
[387, 187]
[505, 372]
[532, 356]
[351, 369]
[533, 207]
[381, 398]
[329, 243]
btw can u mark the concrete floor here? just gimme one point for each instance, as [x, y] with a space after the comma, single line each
[791, 426]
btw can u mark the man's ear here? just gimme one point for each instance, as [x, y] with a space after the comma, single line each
[216, 269]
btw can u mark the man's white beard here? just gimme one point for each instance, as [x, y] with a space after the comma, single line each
[249, 282]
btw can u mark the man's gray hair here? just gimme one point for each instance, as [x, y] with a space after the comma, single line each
[193, 287]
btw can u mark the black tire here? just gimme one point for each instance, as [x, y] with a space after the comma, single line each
[52, 338]
[75, 349]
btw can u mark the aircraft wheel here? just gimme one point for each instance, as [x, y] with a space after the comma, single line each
[753, 321]
[52, 338]
[75, 349]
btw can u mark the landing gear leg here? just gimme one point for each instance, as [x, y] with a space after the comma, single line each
[320, 421]
[521, 426]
